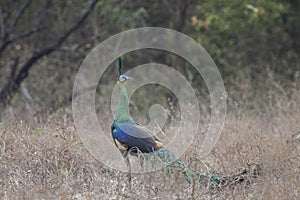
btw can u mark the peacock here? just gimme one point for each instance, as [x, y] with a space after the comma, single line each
[130, 137]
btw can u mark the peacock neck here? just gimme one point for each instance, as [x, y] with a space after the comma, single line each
[122, 114]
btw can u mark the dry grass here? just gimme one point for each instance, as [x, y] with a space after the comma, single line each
[50, 162]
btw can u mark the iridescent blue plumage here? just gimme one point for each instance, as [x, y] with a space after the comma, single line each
[131, 134]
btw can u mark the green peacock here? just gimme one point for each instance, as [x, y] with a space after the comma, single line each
[131, 137]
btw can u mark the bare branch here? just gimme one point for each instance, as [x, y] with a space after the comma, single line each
[180, 17]
[8, 36]
[77, 25]
[42, 14]
[17, 37]
[78, 45]
[14, 68]
[2, 31]
[26, 94]
[28, 33]
[13, 85]
[17, 18]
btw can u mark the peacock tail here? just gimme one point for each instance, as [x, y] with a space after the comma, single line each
[164, 155]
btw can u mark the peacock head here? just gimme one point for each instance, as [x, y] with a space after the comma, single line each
[123, 78]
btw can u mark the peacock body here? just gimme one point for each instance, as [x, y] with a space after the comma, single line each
[131, 137]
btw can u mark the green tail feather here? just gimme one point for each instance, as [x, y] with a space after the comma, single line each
[189, 174]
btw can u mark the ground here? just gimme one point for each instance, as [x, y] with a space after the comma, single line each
[50, 162]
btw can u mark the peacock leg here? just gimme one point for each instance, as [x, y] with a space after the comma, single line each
[125, 155]
[142, 161]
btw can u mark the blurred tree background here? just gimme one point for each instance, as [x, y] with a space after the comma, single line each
[255, 44]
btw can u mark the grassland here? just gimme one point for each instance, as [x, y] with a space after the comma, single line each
[48, 161]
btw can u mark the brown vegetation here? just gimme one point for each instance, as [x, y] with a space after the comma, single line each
[50, 162]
